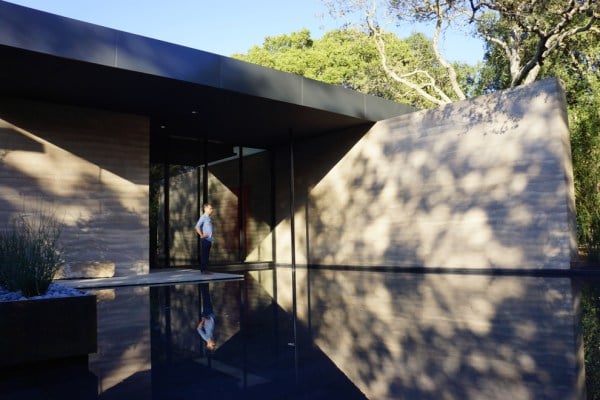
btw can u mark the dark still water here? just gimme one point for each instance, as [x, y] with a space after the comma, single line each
[340, 335]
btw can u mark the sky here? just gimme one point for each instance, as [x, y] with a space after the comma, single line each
[223, 27]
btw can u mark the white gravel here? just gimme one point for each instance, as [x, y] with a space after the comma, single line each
[54, 290]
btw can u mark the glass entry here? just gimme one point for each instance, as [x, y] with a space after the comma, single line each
[184, 174]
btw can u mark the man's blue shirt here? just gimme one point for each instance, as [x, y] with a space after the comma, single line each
[205, 225]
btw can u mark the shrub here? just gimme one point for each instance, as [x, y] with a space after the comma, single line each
[30, 254]
[590, 299]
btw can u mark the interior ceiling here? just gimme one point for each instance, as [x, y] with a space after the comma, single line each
[175, 108]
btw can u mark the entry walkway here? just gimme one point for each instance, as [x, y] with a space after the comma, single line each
[163, 277]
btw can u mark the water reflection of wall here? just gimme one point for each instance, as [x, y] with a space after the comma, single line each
[451, 336]
[141, 329]
[123, 359]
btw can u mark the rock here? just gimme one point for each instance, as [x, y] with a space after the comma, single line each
[86, 269]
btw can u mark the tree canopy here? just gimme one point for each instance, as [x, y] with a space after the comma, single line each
[349, 58]
[523, 34]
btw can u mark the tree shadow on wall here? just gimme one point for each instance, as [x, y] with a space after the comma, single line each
[485, 198]
[84, 136]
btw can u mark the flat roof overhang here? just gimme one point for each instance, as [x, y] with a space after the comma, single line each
[194, 93]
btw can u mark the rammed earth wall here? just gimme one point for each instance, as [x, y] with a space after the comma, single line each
[88, 166]
[485, 183]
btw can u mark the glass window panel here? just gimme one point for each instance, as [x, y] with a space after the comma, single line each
[183, 214]
[223, 194]
[257, 205]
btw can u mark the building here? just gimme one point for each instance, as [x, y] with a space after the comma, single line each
[124, 137]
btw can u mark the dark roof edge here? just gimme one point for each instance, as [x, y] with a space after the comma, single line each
[42, 32]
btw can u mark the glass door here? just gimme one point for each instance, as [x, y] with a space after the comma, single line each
[235, 180]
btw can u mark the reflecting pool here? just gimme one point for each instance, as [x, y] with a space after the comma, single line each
[330, 334]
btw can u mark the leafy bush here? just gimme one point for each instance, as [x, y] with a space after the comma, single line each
[590, 300]
[30, 254]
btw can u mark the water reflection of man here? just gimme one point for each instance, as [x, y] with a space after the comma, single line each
[206, 326]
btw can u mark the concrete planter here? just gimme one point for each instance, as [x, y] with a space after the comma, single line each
[47, 329]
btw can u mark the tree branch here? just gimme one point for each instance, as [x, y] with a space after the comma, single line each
[449, 68]
[380, 45]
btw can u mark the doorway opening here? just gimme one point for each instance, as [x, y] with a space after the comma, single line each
[185, 173]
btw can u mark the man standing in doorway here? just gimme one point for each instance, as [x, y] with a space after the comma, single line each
[204, 228]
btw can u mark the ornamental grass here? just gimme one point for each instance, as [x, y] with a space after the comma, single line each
[30, 254]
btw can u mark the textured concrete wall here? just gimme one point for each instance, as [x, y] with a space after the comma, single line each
[485, 183]
[90, 168]
[313, 160]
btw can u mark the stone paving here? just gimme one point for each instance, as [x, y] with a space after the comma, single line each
[153, 278]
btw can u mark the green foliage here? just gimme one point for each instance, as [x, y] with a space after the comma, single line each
[584, 119]
[349, 58]
[495, 73]
[285, 52]
[30, 254]
[578, 66]
[523, 36]
[590, 301]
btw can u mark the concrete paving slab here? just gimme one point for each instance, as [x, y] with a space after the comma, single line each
[152, 278]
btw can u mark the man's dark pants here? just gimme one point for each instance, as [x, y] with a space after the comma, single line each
[206, 245]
